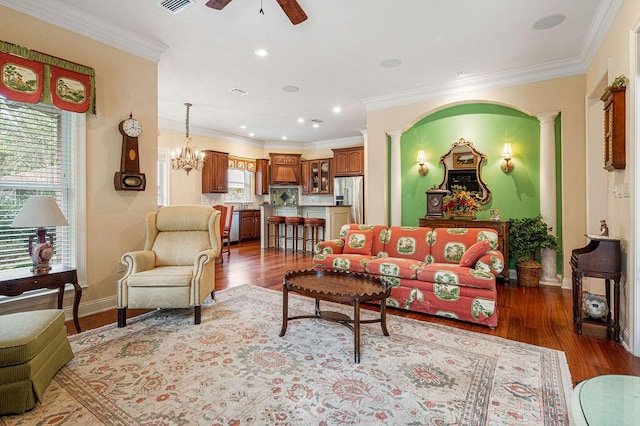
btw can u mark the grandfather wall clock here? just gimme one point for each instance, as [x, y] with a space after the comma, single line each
[129, 177]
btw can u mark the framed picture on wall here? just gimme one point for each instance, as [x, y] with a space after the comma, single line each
[464, 160]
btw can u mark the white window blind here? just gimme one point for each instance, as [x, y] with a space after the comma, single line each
[36, 158]
[239, 186]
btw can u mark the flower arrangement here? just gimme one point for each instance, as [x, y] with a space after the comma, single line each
[460, 202]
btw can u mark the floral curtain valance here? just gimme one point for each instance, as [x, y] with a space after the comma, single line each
[237, 163]
[33, 77]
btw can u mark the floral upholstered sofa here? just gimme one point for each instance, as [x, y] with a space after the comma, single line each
[449, 272]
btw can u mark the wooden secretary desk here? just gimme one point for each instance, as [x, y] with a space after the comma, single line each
[500, 226]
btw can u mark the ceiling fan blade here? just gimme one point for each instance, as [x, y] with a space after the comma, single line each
[218, 4]
[293, 10]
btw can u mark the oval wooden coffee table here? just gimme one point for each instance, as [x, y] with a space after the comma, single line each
[334, 286]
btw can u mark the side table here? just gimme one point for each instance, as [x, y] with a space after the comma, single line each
[14, 282]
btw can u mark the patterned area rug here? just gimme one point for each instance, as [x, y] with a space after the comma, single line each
[233, 369]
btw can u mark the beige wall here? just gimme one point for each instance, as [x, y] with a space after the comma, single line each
[124, 83]
[565, 95]
[612, 59]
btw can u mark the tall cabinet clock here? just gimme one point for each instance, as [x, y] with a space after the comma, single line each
[129, 177]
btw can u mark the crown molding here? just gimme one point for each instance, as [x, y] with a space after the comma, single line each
[600, 25]
[70, 18]
[210, 133]
[540, 72]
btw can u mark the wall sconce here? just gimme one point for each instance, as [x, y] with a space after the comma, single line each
[507, 154]
[422, 167]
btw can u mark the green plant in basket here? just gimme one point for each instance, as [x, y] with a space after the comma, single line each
[528, 236]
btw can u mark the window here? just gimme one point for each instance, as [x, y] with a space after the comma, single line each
[163, 176]
[37, 157]
[239, 186]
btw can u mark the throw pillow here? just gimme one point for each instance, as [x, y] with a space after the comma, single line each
[358, 242]
[475, 252]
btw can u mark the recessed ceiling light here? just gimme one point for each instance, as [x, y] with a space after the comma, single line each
[284, 138]
[300, 120]
[337, 109]
[315, 125]
[261, 52]
[252, 134]
[290, 89]
[549, 22]
[390, 63]
[242, 126]
[238, 92]
[461, 74]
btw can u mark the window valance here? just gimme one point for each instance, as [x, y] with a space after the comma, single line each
[238, 163]
[33, 77]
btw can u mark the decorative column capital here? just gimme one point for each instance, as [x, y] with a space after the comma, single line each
[548, 117]
[364, 132]
[395, 134]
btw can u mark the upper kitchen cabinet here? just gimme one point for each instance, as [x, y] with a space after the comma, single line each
[317, 176]
[262, 176]
[348, 161]
[285, 169]
[215, 172]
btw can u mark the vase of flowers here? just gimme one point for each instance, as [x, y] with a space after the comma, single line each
[460, 204]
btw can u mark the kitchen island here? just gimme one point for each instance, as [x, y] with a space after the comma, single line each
[334, 216]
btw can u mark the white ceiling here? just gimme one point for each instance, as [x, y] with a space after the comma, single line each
[333, 57]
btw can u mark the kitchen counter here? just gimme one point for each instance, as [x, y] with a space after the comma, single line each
[334, 216]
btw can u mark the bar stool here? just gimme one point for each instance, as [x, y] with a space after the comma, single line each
[295, 222]
[273, 230]
[315, 224]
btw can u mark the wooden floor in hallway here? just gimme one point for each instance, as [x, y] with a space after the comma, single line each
[539, 316]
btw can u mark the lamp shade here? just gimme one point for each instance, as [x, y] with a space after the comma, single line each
[507, 152]
[422, 158]
[39, 211]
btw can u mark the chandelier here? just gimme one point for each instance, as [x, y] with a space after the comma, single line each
[187, 158]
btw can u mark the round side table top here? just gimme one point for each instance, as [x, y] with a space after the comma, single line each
[606, 400]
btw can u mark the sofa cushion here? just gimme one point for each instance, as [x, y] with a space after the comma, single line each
[444, 273]
[358, 242]
[343, 262]
[395, 267]
[475, 252]
[449, 244]
[409, 243]
[380, 235]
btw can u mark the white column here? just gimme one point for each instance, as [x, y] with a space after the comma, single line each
[395, 196]
[366, 167]
[548, 192]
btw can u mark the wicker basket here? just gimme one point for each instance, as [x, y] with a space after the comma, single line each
[529, 273]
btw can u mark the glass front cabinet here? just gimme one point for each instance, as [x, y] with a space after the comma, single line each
[317, 177]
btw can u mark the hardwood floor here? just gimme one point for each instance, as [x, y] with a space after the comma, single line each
[540, 316]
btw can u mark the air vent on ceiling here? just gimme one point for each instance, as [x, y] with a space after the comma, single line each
[174, 6]
[237, 91]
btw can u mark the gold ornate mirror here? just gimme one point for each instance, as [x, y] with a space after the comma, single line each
[463, 166]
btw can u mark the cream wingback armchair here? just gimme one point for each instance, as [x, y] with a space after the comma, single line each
[176, 269]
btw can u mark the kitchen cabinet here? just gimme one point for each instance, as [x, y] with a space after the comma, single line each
[614, 128]
[285, 169]
[262, 176]
[249, 224]
[317, 176]
[348, 161]
[215, 173]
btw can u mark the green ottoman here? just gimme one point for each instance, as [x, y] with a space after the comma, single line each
[33, 347]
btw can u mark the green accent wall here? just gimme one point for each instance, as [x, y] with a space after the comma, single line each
[488, 127]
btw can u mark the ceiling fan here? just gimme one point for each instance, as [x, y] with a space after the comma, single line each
[290, 7]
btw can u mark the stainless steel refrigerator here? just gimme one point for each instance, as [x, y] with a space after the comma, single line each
[349, 191]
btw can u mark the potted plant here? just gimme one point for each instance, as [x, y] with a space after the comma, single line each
[527, 237]
[619, 83]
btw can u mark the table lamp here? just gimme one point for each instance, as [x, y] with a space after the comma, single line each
[40, 212]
